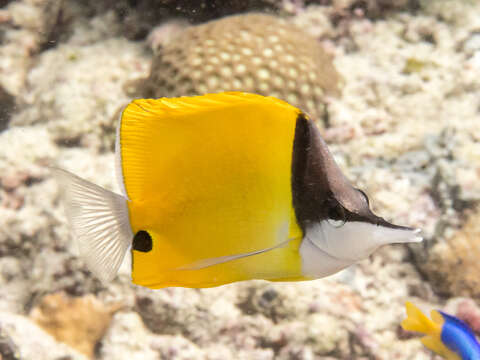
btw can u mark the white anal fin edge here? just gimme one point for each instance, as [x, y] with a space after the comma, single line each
[99, 221]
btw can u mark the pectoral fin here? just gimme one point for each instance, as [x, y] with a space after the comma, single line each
[204, 263]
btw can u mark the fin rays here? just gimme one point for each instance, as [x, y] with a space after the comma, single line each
[100, 223]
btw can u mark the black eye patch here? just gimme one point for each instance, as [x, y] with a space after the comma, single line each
[142, 241]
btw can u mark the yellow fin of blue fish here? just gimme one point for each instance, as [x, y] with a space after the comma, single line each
[445, 334]
[221, 188]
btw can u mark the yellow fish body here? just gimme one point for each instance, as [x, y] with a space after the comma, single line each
[222, 188]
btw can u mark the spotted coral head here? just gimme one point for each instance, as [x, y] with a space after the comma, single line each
[256, 53]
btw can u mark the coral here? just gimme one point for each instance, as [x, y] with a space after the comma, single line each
[7, 102]
[467, 310]
[146, 14]
[253, 53]
[409, 77]
[28, 26]
[8, 350]
[453, 265]
[21, 338]
[80, 108]
[372, 8]
[453, 11]
[78, 322]
[448, 258]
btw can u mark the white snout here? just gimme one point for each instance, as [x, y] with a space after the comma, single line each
[348, 243]
[357, 240]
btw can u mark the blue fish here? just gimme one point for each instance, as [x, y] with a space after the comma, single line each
[445, 334]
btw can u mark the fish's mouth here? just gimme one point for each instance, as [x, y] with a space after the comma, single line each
[401, 234]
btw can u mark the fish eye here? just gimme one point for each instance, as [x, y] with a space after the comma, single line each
[336, 215]
[142, 241]
[365, 196]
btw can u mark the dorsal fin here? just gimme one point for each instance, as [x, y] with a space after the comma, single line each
[146, 122]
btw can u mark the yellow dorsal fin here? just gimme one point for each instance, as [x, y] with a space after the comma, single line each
[141, 108]
[158, 128]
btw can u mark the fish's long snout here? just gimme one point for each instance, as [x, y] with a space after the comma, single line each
[357, 240]
[387, 235]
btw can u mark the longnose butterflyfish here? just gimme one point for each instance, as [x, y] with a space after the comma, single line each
[445, 334]
[222, 188]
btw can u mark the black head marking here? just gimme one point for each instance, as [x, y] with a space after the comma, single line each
[142, 241]
[320, 191]
[310, 188]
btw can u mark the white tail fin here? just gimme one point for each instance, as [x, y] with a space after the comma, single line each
[100, 223]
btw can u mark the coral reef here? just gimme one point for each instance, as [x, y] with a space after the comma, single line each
[82, 88]
[26, 27]
[7, 102]
[21, 338]
[406, 130]
[253, 53]
[452, 264]
[78, 322]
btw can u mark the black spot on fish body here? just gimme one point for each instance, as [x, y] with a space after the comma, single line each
[142, 241]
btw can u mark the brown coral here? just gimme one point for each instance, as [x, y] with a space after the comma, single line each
[79, 322]
[253, 53]
[453, 265]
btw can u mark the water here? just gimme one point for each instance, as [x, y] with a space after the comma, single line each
[401, 118]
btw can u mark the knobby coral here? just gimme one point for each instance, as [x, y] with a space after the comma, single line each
[254, 53]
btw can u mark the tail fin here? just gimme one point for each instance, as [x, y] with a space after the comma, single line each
[99, 221]
[417, 321]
